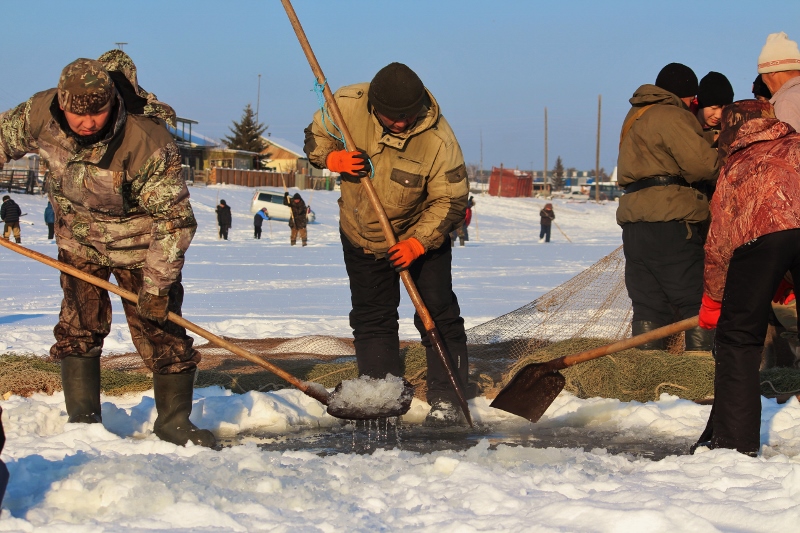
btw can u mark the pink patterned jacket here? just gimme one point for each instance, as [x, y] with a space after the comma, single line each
[758, 193]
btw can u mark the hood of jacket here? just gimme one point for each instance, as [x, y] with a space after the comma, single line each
[759, 130]
[649, 94]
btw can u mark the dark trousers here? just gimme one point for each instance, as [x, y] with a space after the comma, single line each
[663, 270]
[257, 232]
[755, 271]
[50, 230]
[545, 232]
[85, 320]
[223, 232]
[375, 296]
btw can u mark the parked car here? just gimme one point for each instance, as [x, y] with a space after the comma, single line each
[273, 201]
[607, 192]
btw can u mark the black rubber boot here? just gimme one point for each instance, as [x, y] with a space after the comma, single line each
[699, 339]
[173, 395]
[378, 356]
[643, 326]
[80, 378]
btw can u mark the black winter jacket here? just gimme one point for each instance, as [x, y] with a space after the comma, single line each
[10, 212]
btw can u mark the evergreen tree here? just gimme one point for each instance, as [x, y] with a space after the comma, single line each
[558, 178]
[246, 133]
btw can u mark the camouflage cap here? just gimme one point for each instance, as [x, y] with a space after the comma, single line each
[85, 87]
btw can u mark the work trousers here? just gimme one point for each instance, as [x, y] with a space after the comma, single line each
[223, 232]
[50, 230]
[257, 232]
[8, 228]
[755, 271]
[663, 270]
[301, 232]
[375, 297]
[85, 320]
[544, 233]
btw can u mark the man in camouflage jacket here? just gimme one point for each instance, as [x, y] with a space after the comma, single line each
[121, 206]
[419, 175]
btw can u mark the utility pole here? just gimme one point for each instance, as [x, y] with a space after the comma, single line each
[546, 183]
[597, 160]
[258, 99]
[120, 45]
[484, 182]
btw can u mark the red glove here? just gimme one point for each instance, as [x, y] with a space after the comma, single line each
[785, 293]
[402, 254]
[709, 312]
[352, 164]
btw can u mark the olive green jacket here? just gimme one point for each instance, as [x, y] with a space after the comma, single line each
[119, 202]
[666, 140]
[420, 176]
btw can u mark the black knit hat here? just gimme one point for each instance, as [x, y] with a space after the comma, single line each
[760, 88]
[677, 79]
[714, 89]
[396, 91]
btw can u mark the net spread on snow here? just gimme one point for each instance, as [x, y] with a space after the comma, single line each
[587, 311]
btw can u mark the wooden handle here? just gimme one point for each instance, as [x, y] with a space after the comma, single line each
[632, 342]
[172, 317]
[333, 108]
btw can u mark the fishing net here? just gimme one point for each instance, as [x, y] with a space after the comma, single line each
[590, 310]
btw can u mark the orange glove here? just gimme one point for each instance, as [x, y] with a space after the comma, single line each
[709, 312]
[785, 293]
[353, 165]
[402, 254]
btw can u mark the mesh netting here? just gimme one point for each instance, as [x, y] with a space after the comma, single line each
[590, 310]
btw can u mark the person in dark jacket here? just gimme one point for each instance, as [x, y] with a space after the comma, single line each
[754, 239]
[10, 213]
[547, 217]
[50, 220]
[258, 221]
[224, 219]
[662, 158]
[299, 219]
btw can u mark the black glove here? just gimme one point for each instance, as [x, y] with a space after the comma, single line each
[153, 307]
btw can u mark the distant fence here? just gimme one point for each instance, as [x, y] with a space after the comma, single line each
[20, 180]
[262, 178]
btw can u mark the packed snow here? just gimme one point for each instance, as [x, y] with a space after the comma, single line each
[119, 477]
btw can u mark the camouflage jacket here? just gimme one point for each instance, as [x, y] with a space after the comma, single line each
[420, 176]
[120, 202]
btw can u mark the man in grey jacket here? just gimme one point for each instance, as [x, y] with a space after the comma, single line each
[779, 66]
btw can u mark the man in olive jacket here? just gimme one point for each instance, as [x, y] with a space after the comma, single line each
[662, 157]
[417, 168]
[121, 207]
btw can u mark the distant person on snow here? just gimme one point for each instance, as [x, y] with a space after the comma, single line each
[258, 220]
[421, 180]
[224, 219]
[10, 213]
[461, 232]
[753, 241]
[50, 220]
[121, 207]
[546, 218]
[298, 219]
[662, 156]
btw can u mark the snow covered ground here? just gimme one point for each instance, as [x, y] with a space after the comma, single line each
[119, 477]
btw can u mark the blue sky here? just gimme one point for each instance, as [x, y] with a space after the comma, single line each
[493, 66]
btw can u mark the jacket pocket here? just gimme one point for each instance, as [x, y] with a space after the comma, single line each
[104, 191]
[406, 183]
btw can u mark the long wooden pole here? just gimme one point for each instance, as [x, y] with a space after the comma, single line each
[388, 232]
[545, 182]
[597, 160]
[317, 392]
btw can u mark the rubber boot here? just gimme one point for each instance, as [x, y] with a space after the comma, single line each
[643, 326]
[173, 395]
[378, 356]
[699, 339]
[80, 378]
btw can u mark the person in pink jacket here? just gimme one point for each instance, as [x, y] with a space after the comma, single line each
[754, 239]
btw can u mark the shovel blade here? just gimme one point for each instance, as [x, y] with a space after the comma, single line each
[531, 392]
[350, 411]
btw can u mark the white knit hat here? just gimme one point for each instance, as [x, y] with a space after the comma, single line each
[779, 53]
